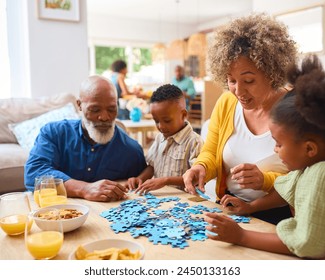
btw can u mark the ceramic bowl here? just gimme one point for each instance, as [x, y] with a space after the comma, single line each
[67, 224]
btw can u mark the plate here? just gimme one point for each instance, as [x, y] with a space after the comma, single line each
[111, 243]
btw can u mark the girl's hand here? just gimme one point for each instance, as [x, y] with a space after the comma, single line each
[227, 229]
[235, 205]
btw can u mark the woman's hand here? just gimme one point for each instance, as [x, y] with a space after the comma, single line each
[193, 177]
[235, 205]
[248, 176]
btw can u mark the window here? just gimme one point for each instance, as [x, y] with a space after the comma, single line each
[4, 55]
[141, 70]
[306, 28]
[105, 56]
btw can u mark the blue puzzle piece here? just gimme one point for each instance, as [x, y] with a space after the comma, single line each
[119, 227]
[179, 244]
[182, 205]
[159, 212]
[199, 236]
[173, 233]
[157, 239]
[240, 219]
[202, 194]
[167, 223]
[194, 211]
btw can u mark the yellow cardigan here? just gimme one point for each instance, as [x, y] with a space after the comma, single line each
[220, 128]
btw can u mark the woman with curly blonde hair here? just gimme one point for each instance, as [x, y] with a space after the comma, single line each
[251, 55]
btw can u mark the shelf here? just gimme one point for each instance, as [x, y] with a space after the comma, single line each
[202, 105]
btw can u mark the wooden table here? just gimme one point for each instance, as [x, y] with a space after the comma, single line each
[96, 227]
[140, 129]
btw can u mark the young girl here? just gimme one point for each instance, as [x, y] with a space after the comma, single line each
[298, 127]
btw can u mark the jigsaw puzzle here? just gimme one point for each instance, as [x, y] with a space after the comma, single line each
[173, 226]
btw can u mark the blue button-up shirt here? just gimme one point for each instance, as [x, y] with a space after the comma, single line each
[62, 150]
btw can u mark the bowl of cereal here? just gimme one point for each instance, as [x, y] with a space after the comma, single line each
[72, 216]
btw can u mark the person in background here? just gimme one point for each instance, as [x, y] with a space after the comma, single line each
[184, 83]
[176, 146]
[251, 54]
[90, 154]
[298, 127]
[119, 69]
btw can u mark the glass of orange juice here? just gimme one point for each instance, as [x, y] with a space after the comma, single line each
[37, 186]
[52, 192]
[44, 243]
[14, 209]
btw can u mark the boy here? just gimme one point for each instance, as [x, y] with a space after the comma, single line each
[175, 147]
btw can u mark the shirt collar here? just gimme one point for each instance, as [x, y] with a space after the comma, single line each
[181, 135]
[81, 132]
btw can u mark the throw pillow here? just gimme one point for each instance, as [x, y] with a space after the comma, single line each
[27, 131]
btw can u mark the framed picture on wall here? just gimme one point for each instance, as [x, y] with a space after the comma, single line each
[67, 10]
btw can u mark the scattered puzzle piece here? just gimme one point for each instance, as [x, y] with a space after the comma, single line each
[202, 194]
[240, 219]
[173, 226]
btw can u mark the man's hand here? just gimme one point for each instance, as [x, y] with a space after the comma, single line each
[104, 190]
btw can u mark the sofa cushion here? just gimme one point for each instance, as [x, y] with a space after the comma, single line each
[27, 131]
[12, 155]
[14, 110]
[12, 161]
[12, 180]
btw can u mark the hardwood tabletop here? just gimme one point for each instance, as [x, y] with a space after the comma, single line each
[97, 227]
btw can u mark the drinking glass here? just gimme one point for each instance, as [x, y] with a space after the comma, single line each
[37, 186]
[14, 209]
[52, 192]
[44, 242]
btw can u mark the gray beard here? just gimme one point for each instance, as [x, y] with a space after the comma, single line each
[95, 134]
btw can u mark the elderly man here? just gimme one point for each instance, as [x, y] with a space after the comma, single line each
[88, 154]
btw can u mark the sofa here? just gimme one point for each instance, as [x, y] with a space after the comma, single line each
[20, 121]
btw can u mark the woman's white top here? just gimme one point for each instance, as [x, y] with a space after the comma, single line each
[245, 147]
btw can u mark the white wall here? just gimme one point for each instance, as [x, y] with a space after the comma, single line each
[280, 6]
[103, 30]
[51, 56]
[18, 48]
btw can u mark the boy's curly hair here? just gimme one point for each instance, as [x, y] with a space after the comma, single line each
[260, 38]
[166, 92]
